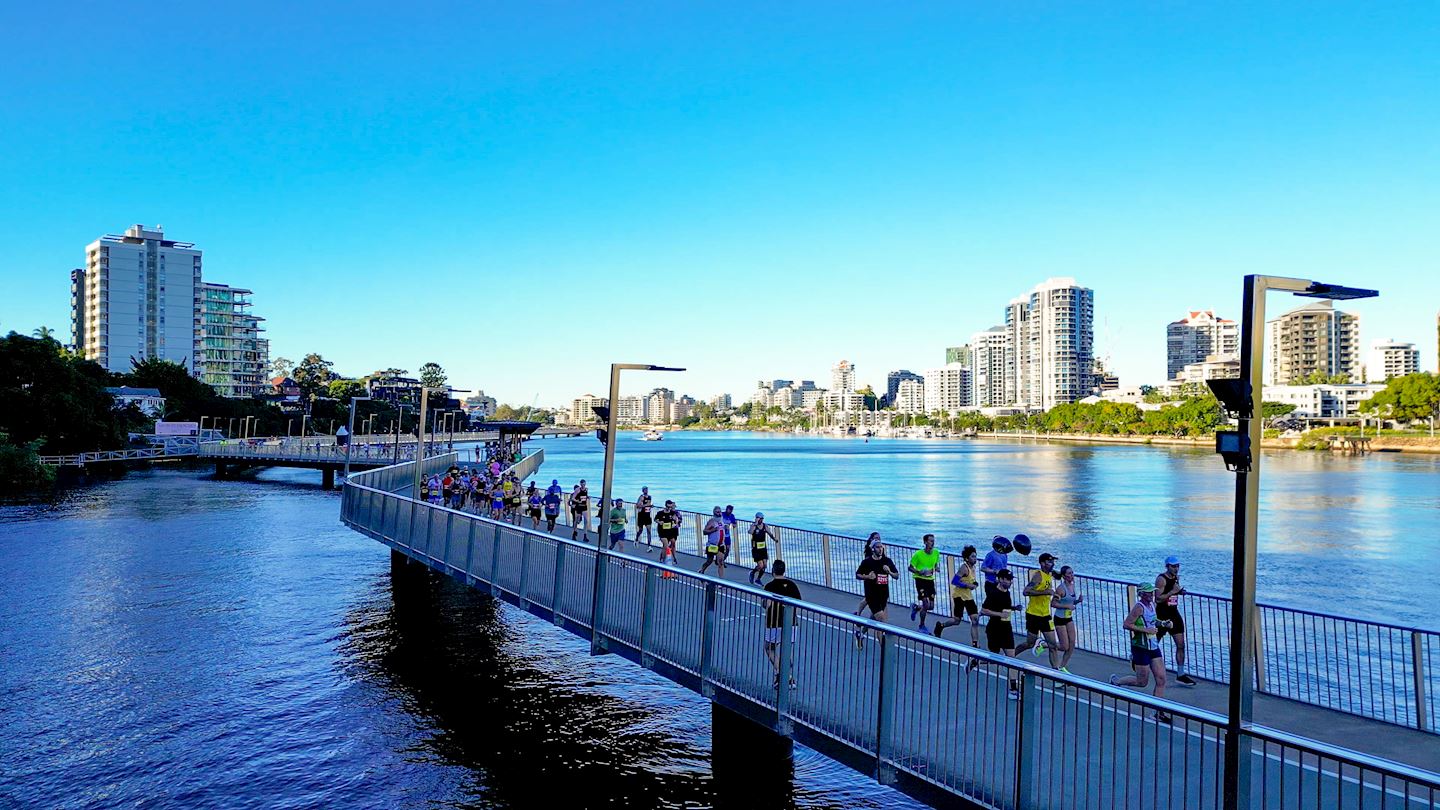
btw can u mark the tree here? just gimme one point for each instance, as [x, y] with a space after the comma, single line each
[1274, 410]
[313, 375]
[344, 390]
[1320, 378]
[1407, 399]
[44, 333]
[433, 376]
[281, 367]
[186, 398]
[55, 403]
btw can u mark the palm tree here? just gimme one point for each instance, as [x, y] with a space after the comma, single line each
[44, 333]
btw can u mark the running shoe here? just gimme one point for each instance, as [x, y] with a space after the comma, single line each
[939, 628]
[1185, 679]
[859, 640]
[1014, 694]
[1114, 680]
[972, 665]
[1038, 650]
[1163, 717]
[1065, 670]
[923, 628]
[914, 609]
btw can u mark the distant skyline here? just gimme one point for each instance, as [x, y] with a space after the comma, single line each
[525, 194]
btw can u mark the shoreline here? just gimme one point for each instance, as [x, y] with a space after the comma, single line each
[1383, 444]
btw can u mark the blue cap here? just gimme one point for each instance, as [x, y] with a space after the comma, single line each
[1172, 560]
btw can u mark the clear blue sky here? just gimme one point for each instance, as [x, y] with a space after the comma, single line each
[526, 192]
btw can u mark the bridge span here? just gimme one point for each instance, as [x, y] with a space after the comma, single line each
[900, 707]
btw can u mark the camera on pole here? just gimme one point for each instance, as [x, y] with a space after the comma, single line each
[603, 412]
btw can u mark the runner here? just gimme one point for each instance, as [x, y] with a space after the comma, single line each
[870, 543]
[775, 617]
[1067, 598]
[643, 504]
[1145, 656]
[1040, 590]
[875, 572]
[962, 598]
[497, 501]
[668, 525]
[582, 500]
[425, 489]
[714, 542]
[923, 565]
[533, 501]
[999, 635]
[1167, 607]
[618, 520]
[995, 560]
[730, 522]
[578, 511]
[760, 535]
[447, 489]
[552, 507]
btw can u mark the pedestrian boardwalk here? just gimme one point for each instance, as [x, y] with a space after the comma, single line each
[900, 707]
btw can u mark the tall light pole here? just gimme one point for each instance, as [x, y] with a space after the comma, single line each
[399, 422]
[1241, 451]
[611, 415]
[420, 428]
[350, 431]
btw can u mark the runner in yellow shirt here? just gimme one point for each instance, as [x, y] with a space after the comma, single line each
[1040, 590]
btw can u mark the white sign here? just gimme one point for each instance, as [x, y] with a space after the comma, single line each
[177, 428]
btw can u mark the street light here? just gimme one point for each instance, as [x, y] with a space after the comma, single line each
[350, 434]
[1241, 452]
[606, 484]
[420, 428]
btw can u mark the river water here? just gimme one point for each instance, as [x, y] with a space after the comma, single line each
[167, 640]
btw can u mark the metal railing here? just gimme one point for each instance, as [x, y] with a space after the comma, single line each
[309, 451]
[902, 706]
[1358, 666]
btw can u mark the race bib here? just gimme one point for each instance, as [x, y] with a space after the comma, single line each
[882, 579]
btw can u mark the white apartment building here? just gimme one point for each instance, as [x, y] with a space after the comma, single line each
[947, 389]
[720, 402]
[987, 369]
[836, 401]
[1196, 337]
[581, 409]
[1061, 352]
[1390, 358]
[136, 298]
[1213, 367]
[810, 397]
[842, 377]
[230, 354]
[631, 410]
[1310, 339]
[658, 406]
[1323, 401]
[910, 396]
[680, 409]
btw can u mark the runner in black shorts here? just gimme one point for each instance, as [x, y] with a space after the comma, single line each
[760, 536]
[1168, 591]
[643, 505]
[875, 572]
[668, 525]
[962, 598]
[999, 636]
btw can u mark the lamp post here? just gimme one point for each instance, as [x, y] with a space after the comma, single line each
[399, 421]
[610, 415]
[1241, 451]
[420, 428]
[350, 434]
[230, 431]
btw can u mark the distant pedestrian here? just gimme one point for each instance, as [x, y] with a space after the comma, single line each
[1146, 660]
[1167, 607]
[999, 634]
[923, 565]
[962, 596]
[875, 573]
[760, 536]
[775, 619]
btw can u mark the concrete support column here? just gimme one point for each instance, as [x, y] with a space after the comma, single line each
[752, 766]
[327, 478]
[220, 470]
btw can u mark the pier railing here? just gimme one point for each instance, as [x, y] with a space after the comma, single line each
[901, 707]
[1358, 666]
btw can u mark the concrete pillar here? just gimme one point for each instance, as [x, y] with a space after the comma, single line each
[327, 478]
[220, 470]
[752, 766]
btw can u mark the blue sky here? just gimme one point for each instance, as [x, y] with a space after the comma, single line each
[527, 192]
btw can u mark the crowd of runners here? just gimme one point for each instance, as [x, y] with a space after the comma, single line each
[981, 590]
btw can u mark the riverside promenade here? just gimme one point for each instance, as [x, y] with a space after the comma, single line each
[902, 708]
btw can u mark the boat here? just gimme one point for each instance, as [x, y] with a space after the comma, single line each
[652, 435]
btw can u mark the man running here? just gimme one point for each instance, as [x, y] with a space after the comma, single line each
[643, 504]
[760, 536]
[999, 635]
[729, 523]
[617, 525]
[667, 524]
[962, 596]
[579, 511]
[582, 501]
[775, 618]
[714, 542]
[1040, 590]
[1167, 608]
[995, 561]
[875, 572]
[1067, 598]
[552, 507]
[923, 565]
[1145, 656]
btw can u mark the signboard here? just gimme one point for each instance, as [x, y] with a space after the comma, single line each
[177, 428]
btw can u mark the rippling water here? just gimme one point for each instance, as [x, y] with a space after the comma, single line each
[171, 641]
[1334, 528]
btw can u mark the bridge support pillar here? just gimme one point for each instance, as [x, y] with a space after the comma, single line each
[750, 764]
[327, 478]
[221, 471]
